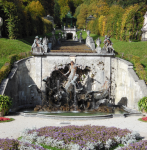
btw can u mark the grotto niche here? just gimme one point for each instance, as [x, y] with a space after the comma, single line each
[78, 96]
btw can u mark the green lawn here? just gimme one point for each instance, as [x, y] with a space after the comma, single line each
[140, 119]
[9, 47]
[128, 48]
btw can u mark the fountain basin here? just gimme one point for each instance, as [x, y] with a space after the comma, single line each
[75, 115]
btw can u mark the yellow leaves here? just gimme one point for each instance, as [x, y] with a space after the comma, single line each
[127, 17]
[138, 67]
[47, 25]
[63, 3]
[81, 18]
[98, 8]
[115, 9]
[36, 9]
[102, 25]
[90, 25]
[135, 59]
[64, 10]
[4, 71]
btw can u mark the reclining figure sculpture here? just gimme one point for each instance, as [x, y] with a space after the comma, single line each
[108, 45]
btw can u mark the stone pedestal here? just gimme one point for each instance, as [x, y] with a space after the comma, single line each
[144, 36]
[98, 50]
[37, 49]
[144, 28]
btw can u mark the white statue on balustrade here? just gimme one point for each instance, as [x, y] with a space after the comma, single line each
[144, 28]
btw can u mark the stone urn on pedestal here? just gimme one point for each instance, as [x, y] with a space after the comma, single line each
[1, 23]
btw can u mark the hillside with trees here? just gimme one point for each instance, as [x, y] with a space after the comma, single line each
[121, 20]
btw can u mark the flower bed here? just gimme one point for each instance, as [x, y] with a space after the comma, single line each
[3, 119]
[11, 144]
[79, 137]
[144, 119]
[141, 145]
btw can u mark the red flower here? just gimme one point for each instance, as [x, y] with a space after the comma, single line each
[144, 118]
[4, 119]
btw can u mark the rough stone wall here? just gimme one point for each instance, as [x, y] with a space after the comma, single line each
[17, 86]
[125, 83]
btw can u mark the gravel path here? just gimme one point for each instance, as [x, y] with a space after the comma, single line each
[14, 128]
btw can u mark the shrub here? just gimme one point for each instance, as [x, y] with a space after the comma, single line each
[142, 104]
[5, 103]
[138, 67]
[4, 71]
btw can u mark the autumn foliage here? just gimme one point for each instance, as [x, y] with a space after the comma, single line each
[25, 20]
[36, 9]
[114, 20]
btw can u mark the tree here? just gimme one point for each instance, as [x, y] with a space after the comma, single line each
[36, 9]
[48, 6]
[87, 2]
[57, 13]
[98, 8]
[64, 11]
[64, 8]
[71, 5]
[12, 19]
[81, 18]
[77, 12]
[77, 2]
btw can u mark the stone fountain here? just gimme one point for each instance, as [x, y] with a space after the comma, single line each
[98, 83]
[62, 95]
